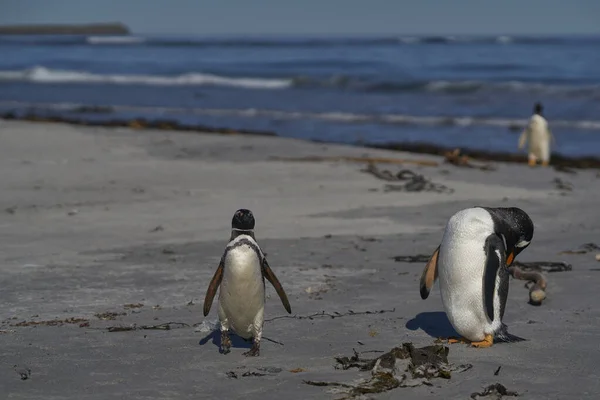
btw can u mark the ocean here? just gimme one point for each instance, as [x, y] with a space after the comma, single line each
[469, 92]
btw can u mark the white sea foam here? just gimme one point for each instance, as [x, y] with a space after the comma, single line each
[46, 75]
[504, 39]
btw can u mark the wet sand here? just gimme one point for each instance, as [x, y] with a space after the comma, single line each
[99, 223]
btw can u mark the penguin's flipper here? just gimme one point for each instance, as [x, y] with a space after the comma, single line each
[495, 260]
[212, 288]
[268, 273]
[430, 274]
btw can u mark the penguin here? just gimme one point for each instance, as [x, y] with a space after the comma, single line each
[241, 278]
[539, 136]
[471, 265]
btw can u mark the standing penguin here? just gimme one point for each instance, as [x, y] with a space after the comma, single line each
[241, 276]
[539, 136]
[471, 263]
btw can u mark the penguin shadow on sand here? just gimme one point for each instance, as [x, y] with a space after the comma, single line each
[435, 324]
[236, 341]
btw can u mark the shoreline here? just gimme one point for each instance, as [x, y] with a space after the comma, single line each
[558, 161]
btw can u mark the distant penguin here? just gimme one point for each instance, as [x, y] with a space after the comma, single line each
[539, 137]
[471, 263]
[241, 276]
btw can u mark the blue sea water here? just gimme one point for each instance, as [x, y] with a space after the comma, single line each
[454, 91]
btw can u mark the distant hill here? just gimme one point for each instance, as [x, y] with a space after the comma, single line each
[115, 28]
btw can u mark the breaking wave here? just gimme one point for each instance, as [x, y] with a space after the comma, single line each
[45, 75]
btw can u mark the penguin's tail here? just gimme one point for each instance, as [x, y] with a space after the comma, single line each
[503, 336]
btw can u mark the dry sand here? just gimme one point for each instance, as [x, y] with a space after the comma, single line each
[93, 219]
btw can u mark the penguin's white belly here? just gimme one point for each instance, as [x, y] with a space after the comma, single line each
[461, 266]
[242, 294]
[539, 144]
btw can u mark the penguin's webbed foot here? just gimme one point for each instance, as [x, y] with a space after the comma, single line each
[488, 341]
[225, 342]
[254, 351]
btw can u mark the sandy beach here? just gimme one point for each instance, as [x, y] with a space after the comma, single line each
[110, 227]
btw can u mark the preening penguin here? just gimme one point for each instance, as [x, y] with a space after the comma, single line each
[471, 264]
[241, 276]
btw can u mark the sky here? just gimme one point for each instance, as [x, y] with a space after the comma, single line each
[301, 17]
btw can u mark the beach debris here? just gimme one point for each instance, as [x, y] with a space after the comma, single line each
[536, 283]
[296, 370]
[162, 327]
[412, 259]
[495, 391]
[497, 371]
[419, 366]
[562, 185]
[454, 157]
[537, 290]
[24, 372]
[332, 315]
[257, 371]
[11, 210]
[587, 162]
[544, 266]
[73, 212]
[565, 169]
[414, 181]
[157, 229]
[583, 249]
[598, 257]
[133, 305]
[369, 160]
[136, 123]
[108, 315]
[54, 322]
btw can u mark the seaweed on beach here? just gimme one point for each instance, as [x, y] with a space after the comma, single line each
[163, 327]
[53, 322]
[558, 160]
[418, 258]
[455, 157]
[413, 182]
[562, 185]
[536, 283]
[544, 266]
[420, 366]
[108, 315]
[495, 391]
[245, 372]
[332, 315]
[583, 249]
[136, 123]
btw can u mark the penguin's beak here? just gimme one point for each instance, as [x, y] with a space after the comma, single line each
[510, 258]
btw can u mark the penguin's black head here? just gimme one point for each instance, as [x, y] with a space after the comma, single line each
[538, 108]
[515, 228]
[243, 220]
